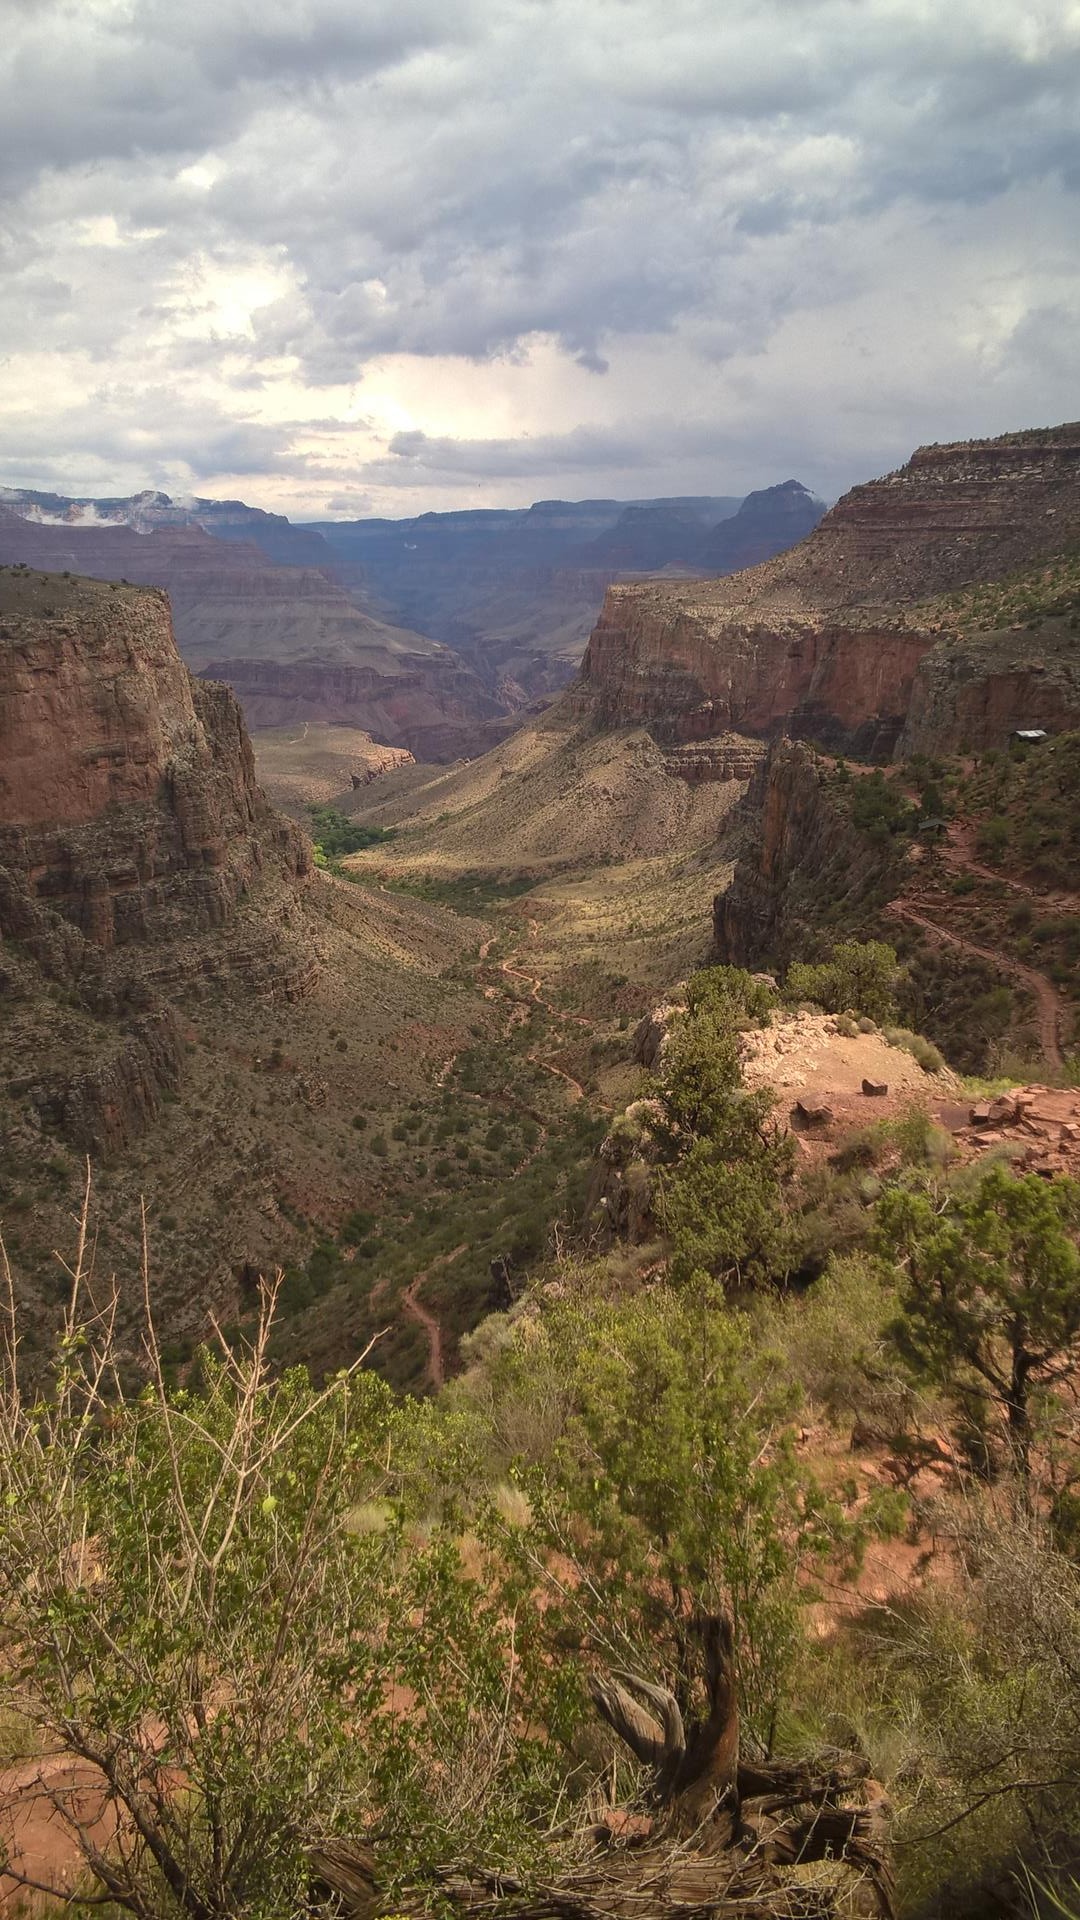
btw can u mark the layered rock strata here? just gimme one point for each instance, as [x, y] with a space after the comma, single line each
[290, 641]
[849, 639]
[132, 835]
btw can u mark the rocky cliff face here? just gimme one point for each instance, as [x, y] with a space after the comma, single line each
[972, 693]
[131, 831]
[290, 640]
[845, 636]
[805, 856]
[658, 658]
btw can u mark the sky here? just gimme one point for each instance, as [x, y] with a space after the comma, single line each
[350, 257]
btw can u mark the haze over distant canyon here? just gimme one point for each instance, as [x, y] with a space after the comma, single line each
[430, 633]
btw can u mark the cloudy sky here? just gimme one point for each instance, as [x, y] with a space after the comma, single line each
[342, 257]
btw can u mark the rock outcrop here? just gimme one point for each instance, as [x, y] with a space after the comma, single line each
[974, 692]
[289, 639]
[659, 657]
[805, 856]
[851, 637]
[131, 830]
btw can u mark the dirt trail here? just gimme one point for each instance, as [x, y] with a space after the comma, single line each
[958, 852]
[547, 1066]
[414, 1307]
[534, 985]
[1046, 999]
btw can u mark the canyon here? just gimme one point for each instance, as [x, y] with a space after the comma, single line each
[333, 624]
[188, 1001]
[289, 639]
[849, 638]
[186, 1004]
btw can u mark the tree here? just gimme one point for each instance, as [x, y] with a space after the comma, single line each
[861, 976]
[991, 1288]
[669, 1480]
[722, 1200]
[212, 1600]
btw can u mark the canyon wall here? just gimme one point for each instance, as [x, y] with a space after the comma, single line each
[132, 835]
[659, 658]
[290, 640]
[853, 638]
[973, 693]
[432, 708]
[806, 867]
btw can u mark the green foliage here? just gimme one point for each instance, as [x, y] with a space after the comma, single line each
[722, 1200]
[253, 1601]
[733, 993]
[993, 838]
[878, 807]
[990, 1298]
[722, 1205]
[862, 976]
[920, 1049]
[335, 835]
[697, 1505]
[834, 1340]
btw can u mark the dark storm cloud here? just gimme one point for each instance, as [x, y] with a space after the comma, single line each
[85, 83]
[460, 180]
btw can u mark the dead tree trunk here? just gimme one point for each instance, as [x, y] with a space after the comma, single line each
[725, 1837]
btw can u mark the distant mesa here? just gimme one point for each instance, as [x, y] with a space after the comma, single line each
[900, 623]
[432, 634]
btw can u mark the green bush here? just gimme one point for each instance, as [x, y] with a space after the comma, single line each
[861, 977]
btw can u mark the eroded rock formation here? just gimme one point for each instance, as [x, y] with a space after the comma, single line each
[131, 830]
[805, 854]
[291, 641]
[851, 638]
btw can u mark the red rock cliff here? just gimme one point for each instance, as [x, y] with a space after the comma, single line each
[132, 831]
[128, 799]
[839, 639]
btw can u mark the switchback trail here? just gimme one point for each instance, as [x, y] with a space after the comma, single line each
[547, 1066]
[412, 1305]
[957, 849]
[1046, 1000]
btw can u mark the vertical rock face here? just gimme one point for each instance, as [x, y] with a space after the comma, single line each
[658, 658]
[842, 638]
[131, 831]
[805, 854]
[128, 800]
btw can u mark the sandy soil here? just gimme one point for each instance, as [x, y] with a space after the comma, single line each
[806, 1054]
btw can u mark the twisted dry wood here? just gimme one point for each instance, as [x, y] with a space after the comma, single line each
[725, 1837]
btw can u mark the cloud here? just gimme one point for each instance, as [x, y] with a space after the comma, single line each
[538, 236]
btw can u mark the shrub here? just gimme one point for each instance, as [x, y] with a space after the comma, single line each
[862, 976]
[924, 1051]
[993, 838]
[255, 1589]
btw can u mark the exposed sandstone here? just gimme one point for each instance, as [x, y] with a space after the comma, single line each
[841, 640]
[131, 830]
